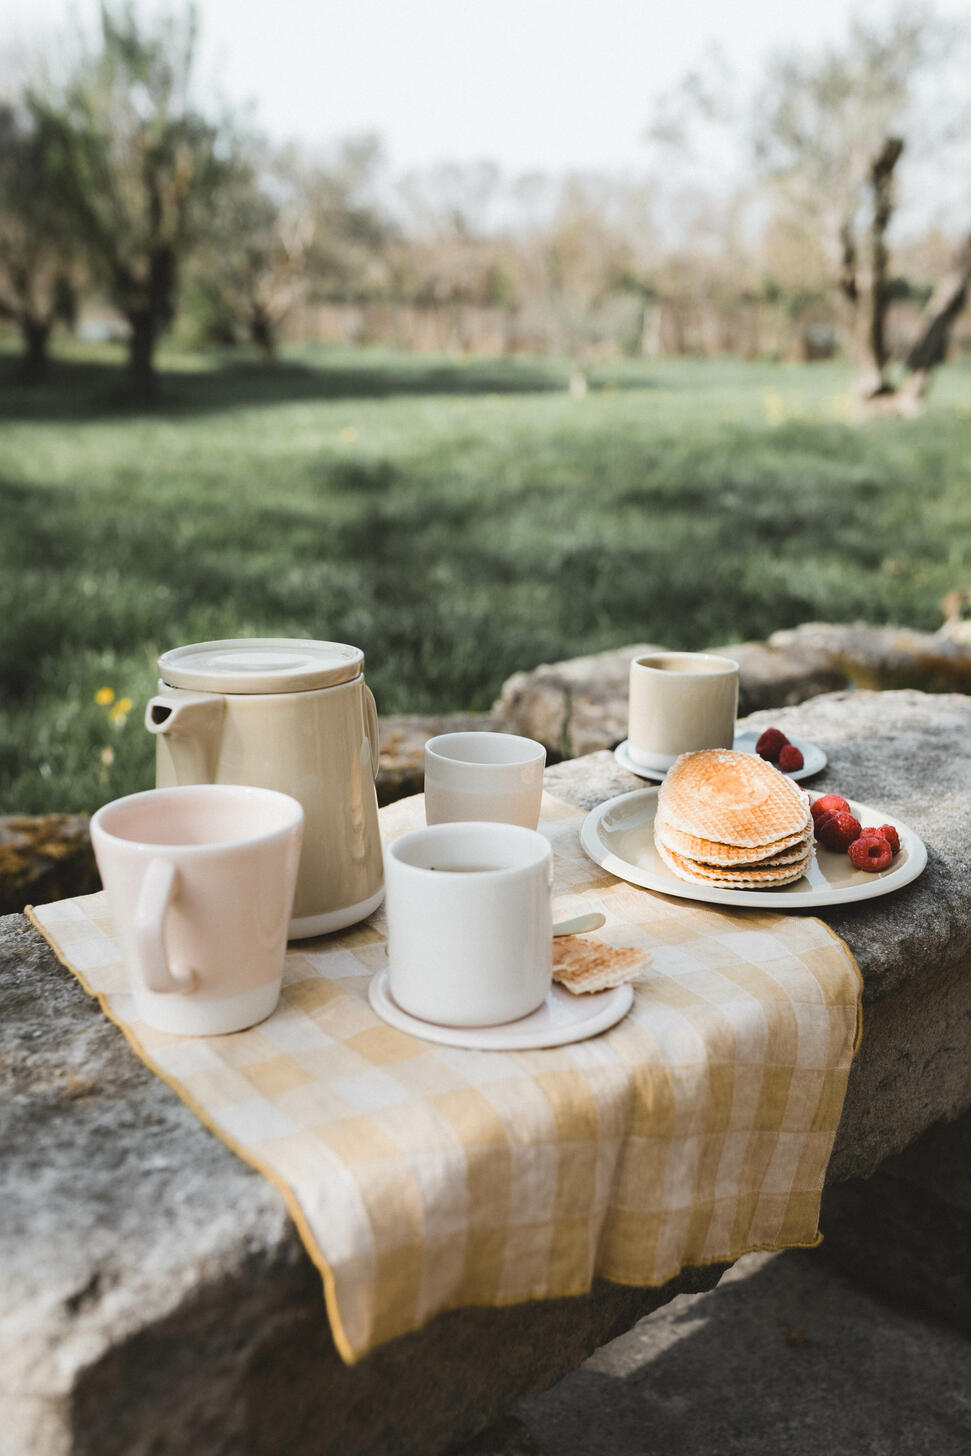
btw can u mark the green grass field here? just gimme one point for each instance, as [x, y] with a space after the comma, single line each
[458, 520]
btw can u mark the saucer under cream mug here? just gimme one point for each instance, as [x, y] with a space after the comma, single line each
[679, 702]
[492, 776]
[200, 881]
[470, 929]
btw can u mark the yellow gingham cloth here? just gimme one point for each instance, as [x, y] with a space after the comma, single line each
[423, 1178]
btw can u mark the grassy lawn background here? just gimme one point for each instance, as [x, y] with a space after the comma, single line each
[457, 520]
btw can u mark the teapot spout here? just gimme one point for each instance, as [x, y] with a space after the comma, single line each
[189, 728]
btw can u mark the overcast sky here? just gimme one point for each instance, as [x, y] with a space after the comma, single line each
[531, 84]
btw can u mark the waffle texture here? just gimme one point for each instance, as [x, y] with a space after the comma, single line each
[731, 798]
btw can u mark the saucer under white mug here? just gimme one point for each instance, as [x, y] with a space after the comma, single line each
[814, 759]
[562, 1018]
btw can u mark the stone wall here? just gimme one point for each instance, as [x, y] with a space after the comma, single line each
[573, 707]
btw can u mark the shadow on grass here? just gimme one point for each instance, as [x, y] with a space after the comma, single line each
[92, 388]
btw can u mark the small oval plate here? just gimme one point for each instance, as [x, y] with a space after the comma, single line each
[813, 756]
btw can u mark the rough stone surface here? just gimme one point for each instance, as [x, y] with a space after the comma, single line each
[905, 1233]
[579, 706]
[43, 858]
[138, 1256]
[784, 1358]
[403, 739]
[574, 707]
[777, 676]
[886, 657]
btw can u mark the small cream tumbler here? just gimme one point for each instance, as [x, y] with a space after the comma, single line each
[494, 776]
[680, 702]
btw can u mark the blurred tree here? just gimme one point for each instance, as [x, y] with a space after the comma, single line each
[830, 131]
[450, 262]
[135, 166]
[284, 229]
[579, 253]
[38, 263]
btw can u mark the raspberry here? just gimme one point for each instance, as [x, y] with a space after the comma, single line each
[790, 758]
[870, 852]
[887, 832]
[838, 831]
[829, 804]
[769, 744]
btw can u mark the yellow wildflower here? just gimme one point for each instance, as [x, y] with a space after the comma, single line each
[774, 408]
[120, 711]
[104, 696]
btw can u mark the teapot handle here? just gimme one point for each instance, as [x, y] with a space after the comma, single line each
[371, 719]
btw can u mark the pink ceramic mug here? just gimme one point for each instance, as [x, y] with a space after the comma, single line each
[201, 881]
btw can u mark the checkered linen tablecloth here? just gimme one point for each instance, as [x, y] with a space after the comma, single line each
[424, 1178]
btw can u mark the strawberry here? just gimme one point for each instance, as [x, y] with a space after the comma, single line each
[790, 758]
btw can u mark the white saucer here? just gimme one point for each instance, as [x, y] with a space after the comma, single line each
[562, 1018]
[814, 759]
[619, 835]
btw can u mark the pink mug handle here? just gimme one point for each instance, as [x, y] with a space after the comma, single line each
[159, 888]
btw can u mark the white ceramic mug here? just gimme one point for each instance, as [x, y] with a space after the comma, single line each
[201, 881]
[679, 702]
[474, 776]
[469, 922]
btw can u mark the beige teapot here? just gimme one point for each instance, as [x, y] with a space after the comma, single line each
[281, 713]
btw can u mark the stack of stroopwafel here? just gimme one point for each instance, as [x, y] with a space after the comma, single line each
[732, 821]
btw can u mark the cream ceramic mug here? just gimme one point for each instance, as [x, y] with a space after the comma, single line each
[495, 776]
[679, 702]
[200, 881]
[470, 929]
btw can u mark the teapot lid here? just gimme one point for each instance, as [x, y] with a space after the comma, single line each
[260, 665]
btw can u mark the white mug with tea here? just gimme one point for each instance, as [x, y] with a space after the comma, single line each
[470, 929]
[680, 702]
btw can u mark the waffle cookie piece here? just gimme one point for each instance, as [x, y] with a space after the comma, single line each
[731, 820]
[731, 798]
[709, 851]
[583, 966]
[744, 877]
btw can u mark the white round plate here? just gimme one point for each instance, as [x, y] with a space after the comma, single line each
[562, 1018]
[814, 759]
[619, 835]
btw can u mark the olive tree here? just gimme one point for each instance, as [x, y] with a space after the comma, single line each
[832, 130]
[38, 266]
[134, 164]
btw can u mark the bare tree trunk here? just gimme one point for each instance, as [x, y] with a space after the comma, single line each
[579, 383]
[863, 281]
[34, 362]
[261, 334]
[142, 378]
[930, 347]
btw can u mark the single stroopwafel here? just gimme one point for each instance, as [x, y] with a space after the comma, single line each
[731, 798]
[583, 966]
[744, 878]
[709, 851]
